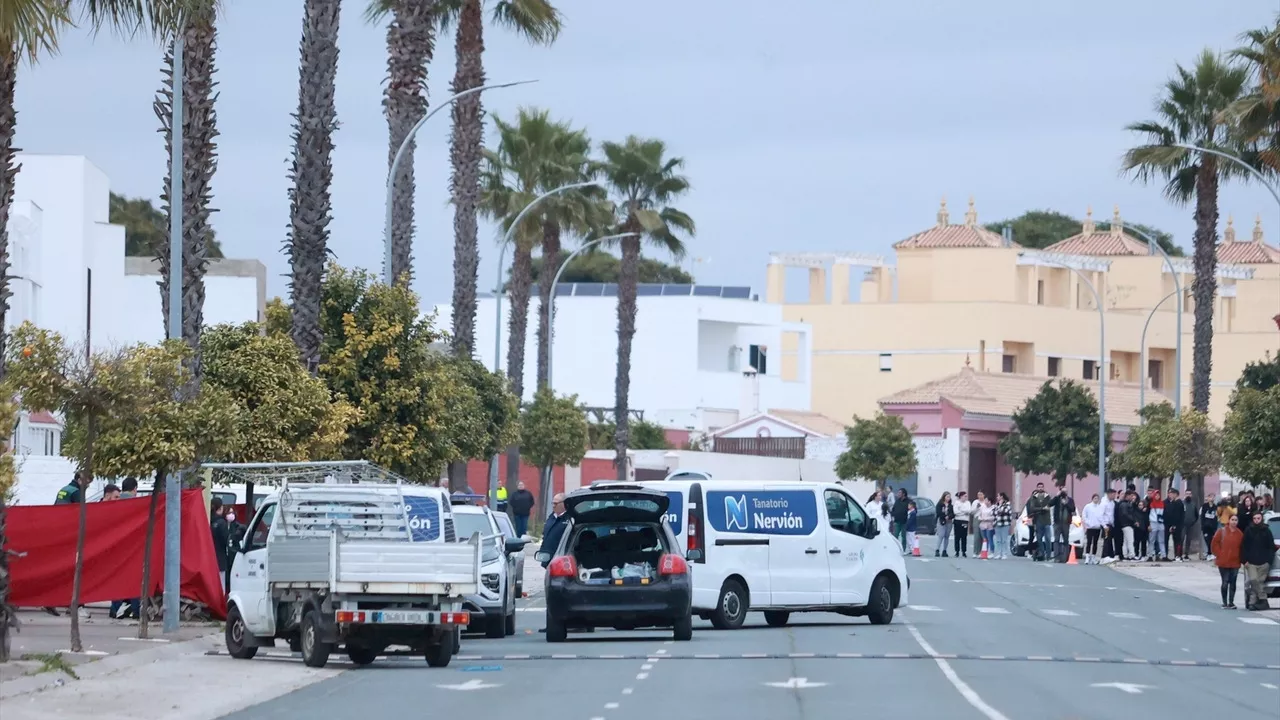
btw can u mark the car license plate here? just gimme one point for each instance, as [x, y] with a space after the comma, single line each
[402, 617]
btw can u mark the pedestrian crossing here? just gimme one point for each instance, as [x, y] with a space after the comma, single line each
[1062, 612]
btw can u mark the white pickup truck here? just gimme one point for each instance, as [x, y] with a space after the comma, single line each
[325, 565]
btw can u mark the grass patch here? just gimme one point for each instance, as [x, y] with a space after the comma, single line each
[51, 662]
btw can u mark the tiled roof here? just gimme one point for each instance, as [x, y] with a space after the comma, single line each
[1253, 252]
[42, 417]
[946, 235]
[817, 422]
[1001, 394]
[1111, 242]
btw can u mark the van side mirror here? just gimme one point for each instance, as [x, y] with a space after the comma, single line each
[694, 555]
[543, 557]
[515, 545]
[873, 527]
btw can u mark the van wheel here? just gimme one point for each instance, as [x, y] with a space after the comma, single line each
[776, 618]
[683, 629]
[239, 646]
[556, 630]
[315, 653]
[880, 603]
[731, 610]
[361, 655]
[439, 654]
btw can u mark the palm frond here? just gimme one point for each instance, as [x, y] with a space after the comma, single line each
[537, 20]
[33, 26]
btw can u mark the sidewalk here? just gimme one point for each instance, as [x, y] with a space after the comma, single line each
[1196, 578]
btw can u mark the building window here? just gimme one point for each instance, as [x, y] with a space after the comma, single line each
[1090, 369]
[1039, 292]
[1155, 373]
[1009, 364]
[759, 359]
[886, 362]
[1115, 371]
[1055, 367]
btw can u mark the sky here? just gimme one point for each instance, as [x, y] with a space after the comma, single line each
[833, 125]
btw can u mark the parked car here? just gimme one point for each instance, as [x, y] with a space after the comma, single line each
[1026, 541]
[926, 516]
[509, 532]
[1273, 575]
[493, 607]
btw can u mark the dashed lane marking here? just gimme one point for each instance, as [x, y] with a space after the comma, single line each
[924, 608]
[992, 610]
[405, 660]
[1258, 621]
[1192, 618]
[1062, 613]
[1125, 615]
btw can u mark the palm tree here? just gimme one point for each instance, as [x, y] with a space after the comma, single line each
[312, 173]
[411, 41]
[1191, 111]
[539, 22]
[1257, 113]
[199, 162]
[535, 155]
[643, 181]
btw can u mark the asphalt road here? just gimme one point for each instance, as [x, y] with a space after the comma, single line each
[983, 639]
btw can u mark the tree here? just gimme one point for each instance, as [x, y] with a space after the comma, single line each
[312, 174]
[1042, 228]
[146, 228]
[1146, 456]
[1193, 111]
[1259, 375]
[878, 449]
[644, 181]
[411, 43]
[1256, 115]
[603, 267]
[1055, 433]
[644, 435]
[1251, 437]
[279, 318]
[539, 22]
[553, 432]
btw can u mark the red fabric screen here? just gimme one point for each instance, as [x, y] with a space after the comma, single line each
[115, 534]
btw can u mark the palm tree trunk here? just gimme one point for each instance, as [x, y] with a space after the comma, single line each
[551, 260]
[628, 278]
[1204, 289]
[518, 290]
[312, 174]
[86, 478]
[465, 155]
[411, 44]
[8, 173]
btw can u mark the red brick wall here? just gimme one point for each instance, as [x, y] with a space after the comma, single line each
[478, 476]
[593, 470]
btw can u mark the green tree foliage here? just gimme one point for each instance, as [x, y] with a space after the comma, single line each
[553, 430]
[279, 317]
[1259, 375]
[1055, 433]
[603, 267]
[644, 435]
[1042, 228]
[878, 449]
[146, 229]
[287, 415]
[1251, 436]
[1146, 455]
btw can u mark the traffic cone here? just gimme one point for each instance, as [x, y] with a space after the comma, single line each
[983, 556]
[915, 551]
[1071, 559]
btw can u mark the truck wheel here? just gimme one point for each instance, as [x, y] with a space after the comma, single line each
[239, 645]
[315, 653]
[361, 655]
[556, 631]
[439, 654]
[731, 610]
[776, 618]
[511, 622]
[880, 603]
[683, 630]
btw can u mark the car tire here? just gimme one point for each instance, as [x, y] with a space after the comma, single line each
[495, 626]
[880, 603]
[439, 654]
[511, 622]
[1018, 549]
[776, 618]
[682, 631]
[556, 630]
[315, 652]
[361, 655]
[239, 644]
[731, 609]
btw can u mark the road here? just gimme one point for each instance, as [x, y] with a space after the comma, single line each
[983, 639]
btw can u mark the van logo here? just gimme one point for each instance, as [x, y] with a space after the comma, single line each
[735, 512]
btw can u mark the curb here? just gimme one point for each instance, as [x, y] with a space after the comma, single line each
[28, 684]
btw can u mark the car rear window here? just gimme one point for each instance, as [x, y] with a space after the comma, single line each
[641, 504]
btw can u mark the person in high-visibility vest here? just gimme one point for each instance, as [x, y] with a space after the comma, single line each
[502, 497]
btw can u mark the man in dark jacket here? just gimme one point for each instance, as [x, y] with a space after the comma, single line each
[520, 503]
[1038, 511]
[221, 534]
[1126, 524]
[553, 530]
[1175, 516]
[1064, 509]
[69, 493]
[899, 511]
[1256, 551]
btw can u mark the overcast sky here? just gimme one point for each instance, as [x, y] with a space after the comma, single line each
[835, 126]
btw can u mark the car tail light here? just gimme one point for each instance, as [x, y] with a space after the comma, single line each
[672, 565]
[563, 566]
[349, 616]
[694, 534]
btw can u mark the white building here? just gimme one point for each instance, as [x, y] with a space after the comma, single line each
[70, 275]
[690, 359]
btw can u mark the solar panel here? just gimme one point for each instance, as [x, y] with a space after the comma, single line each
[589, 289]
[737, 293]
[648, 289]
[610, 290]
[564, 289]
[676, 290]
[706, 290]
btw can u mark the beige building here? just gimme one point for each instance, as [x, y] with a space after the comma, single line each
[959, 291]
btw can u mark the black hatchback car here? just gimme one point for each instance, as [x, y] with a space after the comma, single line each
[617, 565]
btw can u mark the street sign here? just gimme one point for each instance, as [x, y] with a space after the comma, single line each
[1131, 688]
[469, 685]
[795, 683]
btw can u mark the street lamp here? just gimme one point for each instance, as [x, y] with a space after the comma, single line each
[551, 310]
[498, 292]
[1238, 161]
[404, 149]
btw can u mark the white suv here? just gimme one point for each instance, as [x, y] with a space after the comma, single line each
[495, 605]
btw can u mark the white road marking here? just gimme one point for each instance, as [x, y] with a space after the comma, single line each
[611, 706]
[1192, 618]
[1129, 688]
[1239, 672]
[642, 676]
[796, 683]
[992, 610]
[1063, 613]
[1270, 686]
[470, 685]
[627, 691]
[961, 687]
[924, 608]
[1126, 616]
[646, 666]
[1258, 621]
[661, 651]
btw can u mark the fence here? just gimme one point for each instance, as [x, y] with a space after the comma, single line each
[786, 447]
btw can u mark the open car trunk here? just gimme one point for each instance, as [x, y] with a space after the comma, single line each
[615, 553]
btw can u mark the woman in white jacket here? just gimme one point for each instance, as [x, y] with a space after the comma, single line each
[963, 509]
[1094, 516]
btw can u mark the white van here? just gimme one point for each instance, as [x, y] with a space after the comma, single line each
[782, 547]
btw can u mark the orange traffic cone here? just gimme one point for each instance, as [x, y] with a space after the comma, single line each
[983, 556]
[1071, 559]
[915, 551]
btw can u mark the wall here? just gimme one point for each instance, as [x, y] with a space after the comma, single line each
[234, 292]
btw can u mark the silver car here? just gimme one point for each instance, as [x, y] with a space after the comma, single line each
[493, 608]
[509, 532]
[1273, 575]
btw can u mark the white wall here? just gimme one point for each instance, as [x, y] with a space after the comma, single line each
[772, 427]
[226, 300]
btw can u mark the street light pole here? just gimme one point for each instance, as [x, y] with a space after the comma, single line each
[1142, 350]
[403, 150]
[172, 596]
[1238, 161]
[498, 293]
[551, 310]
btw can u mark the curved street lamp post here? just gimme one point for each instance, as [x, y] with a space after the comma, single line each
[1142, 387]
[551, 311]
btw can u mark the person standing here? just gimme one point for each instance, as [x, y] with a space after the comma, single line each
[1109, 537]
[1094, 515]
[553, 528]
[961, 524]
[946, 513]
[500, 496]
[975, 527]
[521, 505]
[1175, 516]
[128, 488]
[1209, 524]
[900, 512]
[1155, 517]
[221, 534]
[873, 504]
[987, 525]
[1142, 531]
[110, 492]
[913, 540]
[1064, 509]
[1125, 525]
[69, 493]
[1039, 513]
[1256, 551]
[1003, 527]
[1224, 548]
